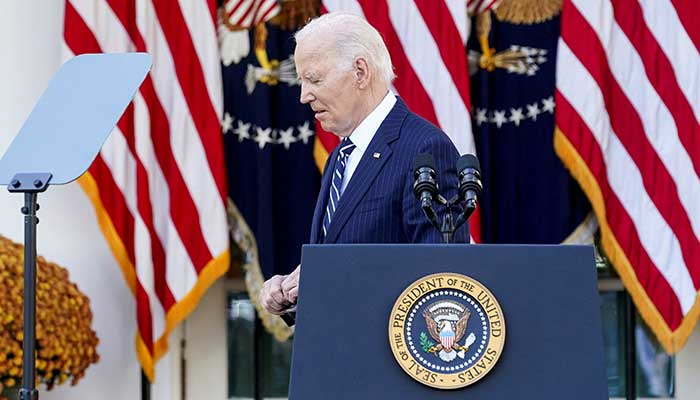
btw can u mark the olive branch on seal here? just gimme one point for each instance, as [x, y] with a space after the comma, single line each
[426, 344]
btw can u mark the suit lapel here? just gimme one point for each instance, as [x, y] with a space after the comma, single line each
[320, 210]
[368, 168]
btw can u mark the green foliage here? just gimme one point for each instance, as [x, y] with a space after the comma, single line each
[425, 343]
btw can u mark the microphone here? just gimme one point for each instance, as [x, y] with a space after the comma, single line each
[469, 173]
[425, 186]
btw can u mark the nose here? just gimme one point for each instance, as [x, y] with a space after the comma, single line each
[305, 95]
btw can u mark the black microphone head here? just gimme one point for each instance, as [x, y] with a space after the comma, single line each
[424, 160]
[424, 175]
[468, 161]
[469, 173]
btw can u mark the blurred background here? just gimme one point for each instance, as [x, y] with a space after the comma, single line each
[214, 171]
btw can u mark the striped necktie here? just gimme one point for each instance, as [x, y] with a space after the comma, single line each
[346, 147]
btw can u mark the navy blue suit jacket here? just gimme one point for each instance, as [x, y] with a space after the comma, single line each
[378, 204]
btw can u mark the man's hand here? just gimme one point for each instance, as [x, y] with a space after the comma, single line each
[272, 297]
[290, 286]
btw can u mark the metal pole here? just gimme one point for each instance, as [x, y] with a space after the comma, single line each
[28, 390]
[630, 349]
[183, 362]
[29, 184]
[257, 358]
[145, 387]
[448, 226]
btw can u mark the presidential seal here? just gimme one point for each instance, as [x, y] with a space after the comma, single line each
[447, 330]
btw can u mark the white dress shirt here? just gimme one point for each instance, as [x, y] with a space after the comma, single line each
[363, 134]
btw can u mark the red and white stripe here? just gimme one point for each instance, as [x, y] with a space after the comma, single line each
[249, 13]
[160, 175]
[479, 6]
[426, 41]
[628, 101]
[447, 341]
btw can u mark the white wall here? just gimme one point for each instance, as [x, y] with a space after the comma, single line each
[206, 352]
[688, 369]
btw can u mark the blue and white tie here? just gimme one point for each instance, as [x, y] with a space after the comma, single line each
[346, 147]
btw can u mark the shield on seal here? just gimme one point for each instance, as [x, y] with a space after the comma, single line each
[447, 338]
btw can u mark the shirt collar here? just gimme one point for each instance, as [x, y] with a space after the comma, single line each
[364, 132]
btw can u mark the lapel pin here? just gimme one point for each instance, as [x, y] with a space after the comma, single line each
[376, 155]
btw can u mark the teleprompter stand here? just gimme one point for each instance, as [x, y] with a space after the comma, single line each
[56, 144]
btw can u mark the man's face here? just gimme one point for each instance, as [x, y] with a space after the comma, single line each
[329, 90]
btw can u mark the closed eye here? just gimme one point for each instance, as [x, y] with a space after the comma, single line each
[312, 79]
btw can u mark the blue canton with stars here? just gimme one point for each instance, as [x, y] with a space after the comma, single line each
[529, 197]
[269, 138]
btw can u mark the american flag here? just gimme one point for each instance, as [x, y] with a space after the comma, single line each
[249, 13]
[628, 110]
[158, 185]
[480, 6]
[426, 40]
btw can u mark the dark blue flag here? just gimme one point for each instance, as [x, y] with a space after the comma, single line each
[269, 138]
[529, 197]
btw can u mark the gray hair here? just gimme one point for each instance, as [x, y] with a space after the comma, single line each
[354, 37]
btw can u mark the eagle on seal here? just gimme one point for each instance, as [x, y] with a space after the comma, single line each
[447, 328]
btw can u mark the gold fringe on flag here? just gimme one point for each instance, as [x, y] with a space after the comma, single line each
[214, 269]
[243, 236]
[584, 233]
[527, 12]
[483, 28]
[483, 24]
[672, 341]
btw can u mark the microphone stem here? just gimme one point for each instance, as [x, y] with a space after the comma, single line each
[448, 228]
[427, 207]
[464, 216]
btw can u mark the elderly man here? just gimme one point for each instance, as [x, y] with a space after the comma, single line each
[367, 186]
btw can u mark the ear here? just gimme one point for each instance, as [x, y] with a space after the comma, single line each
[362, 72]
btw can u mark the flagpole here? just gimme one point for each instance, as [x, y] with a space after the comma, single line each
[145, 387]
[183, 362]
[630, 348]
[257, 359]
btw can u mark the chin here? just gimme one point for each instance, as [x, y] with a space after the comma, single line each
[327, 127]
